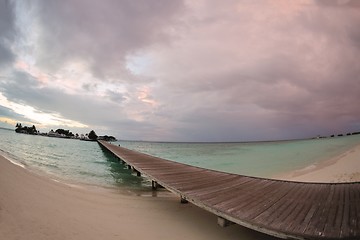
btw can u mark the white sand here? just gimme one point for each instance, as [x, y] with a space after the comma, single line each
[342, 168]
[34, 207]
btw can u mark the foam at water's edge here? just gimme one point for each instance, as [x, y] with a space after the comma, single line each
[16, 163]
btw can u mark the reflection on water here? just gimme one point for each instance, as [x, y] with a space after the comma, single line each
[123, 177]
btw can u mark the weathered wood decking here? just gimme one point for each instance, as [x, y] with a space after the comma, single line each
[284, 209]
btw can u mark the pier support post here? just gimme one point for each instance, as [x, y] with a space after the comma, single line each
[222, 222]
[183, 200]
[137, 172]
[154, 185]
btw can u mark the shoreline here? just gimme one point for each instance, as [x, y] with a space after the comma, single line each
[342, 168]
[34, 207]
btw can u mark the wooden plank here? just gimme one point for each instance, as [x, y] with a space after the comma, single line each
[345, 224]
[267, 215]
[356, 205]
[209, 186]
[354, 211]
[242, 201]
[286, 217]
[247, 202]
[296, 216]
[207, 196]
[289, 215]
[330, 224]
[185, 178]
[300, 223]
[279, 207]
[198, 185]
[226, 194]
[339, 213]
[320, 216]
[174, 173]
[311, 218]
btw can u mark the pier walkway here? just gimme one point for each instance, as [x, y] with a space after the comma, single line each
[290, 210]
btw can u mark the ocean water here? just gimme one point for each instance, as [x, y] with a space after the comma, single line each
[72, 161]
[260, 159]
[86, 163]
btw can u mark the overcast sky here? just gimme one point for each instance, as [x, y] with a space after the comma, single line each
[203, 70]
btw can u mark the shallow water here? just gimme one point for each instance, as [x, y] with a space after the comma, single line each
[86, 163]
[70, 160]
[262, 159]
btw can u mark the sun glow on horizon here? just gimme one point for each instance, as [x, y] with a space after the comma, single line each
[45, 119]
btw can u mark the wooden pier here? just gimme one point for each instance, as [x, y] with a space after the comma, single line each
[289, 210]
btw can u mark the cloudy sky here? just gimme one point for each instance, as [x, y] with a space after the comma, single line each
[192, 70]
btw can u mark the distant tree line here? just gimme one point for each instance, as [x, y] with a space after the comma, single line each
[339, 135]
[27, 130]
[65, 132]
[348, 134]
[107, 138]
[92, 136]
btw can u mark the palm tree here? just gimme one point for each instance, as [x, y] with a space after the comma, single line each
[92, 135]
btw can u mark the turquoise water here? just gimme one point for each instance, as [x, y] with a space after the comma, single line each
[262, 159]
[70, 160]
[85, 162]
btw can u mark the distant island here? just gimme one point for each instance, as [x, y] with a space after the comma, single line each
[27, 130]
[338, 135]
[62, 133]
[92, 136]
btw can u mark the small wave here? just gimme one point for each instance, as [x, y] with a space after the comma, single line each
[100, 162]
[90, 174]
[68, 184]
[11, 158]
[16, 163]
[49, 165]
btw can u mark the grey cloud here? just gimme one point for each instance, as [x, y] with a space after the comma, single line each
[6, 112]
[115, 96]
[307, 79]
[6, 56]
[101, 33]
[337, 3]
[7, 32]
[9, 113]
[129, 129]
[24, 89]
[106, 114]
[89, 86]
[18, 86]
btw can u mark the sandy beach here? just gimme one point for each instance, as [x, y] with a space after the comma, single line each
[34, 207]
[342, 168]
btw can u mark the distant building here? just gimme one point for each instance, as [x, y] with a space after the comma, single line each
[53, 134]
